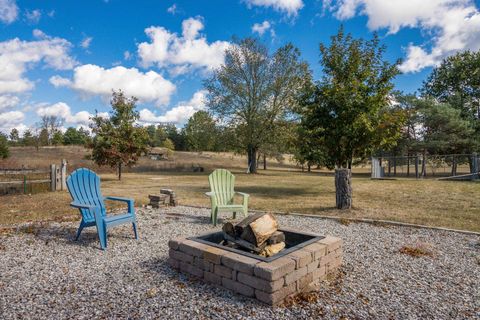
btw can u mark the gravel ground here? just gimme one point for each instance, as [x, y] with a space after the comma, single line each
[44, 274]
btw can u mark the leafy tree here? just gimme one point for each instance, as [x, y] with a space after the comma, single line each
[254, 89]
[347, 112]
[28, 138]
[43, 138]
[118, 140]
[4, 150]
[72, 136]
[178, 138]
[201, 132]
[14, 136]
[443, 130]
[457, 81]
[167, 143]
[157, 135]
[57, 138]
[49, 125]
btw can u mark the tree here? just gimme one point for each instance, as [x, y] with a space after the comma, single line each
[57, 138]
[178, 138]
[14, 136]
[167, 143]
[443, 130]
[4, 150]
[43, 138]
[347, 113]
[457, 81]
[254, 89]
[28, 138]
[49, 125]
[118, 140]
[201, 132]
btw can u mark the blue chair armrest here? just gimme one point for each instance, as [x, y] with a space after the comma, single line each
[130, 202]
[82, 205]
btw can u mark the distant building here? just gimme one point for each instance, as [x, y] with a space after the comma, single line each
[158, 153]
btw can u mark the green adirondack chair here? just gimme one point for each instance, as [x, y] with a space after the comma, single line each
[222, 194]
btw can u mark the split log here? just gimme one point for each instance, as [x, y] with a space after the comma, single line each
[245, 244]
[229, 229]
[257, 228]
[272, 249]
[277, 237]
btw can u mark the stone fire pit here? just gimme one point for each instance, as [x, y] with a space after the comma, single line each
[299, 268]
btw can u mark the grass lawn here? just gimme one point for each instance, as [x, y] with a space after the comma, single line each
[430, 202]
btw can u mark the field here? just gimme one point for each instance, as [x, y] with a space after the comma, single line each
[282, 188]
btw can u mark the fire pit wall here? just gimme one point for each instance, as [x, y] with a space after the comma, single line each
[270, 282]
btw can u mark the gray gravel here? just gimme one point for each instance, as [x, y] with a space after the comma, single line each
[44, 274]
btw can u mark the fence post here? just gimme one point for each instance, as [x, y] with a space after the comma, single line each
[416, 166]
[64, 175]
[53, 178]
[474, 166]
[58, 178]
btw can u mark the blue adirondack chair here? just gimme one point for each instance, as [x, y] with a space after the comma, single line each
[84, 187]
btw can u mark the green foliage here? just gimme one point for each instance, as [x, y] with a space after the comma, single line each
[457, 81]
[443, 130]
[254, 90]
[157, 135]
[76, 137]
[4, 151]
[201, 132]
[118, 140]
[14, 136]
[167, 143]
[28, 138]
[57, 138]
[347, 114]
[43, 138]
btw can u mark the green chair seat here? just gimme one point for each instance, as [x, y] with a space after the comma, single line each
[222, 195]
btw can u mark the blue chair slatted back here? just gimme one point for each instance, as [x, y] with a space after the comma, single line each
[84, 187]
[222, 184]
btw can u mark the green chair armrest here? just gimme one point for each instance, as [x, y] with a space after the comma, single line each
[210, 194]
[243, 194]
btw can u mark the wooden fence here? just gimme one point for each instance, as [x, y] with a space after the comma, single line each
[424, 165]
[20, 179]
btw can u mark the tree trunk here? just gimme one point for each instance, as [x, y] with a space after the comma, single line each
[264, 161]
[252, 159]
[119, 171]
[343, 188]
[309, 167]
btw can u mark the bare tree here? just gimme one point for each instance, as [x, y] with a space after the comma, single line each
[51, 125]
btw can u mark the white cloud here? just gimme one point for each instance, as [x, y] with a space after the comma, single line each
[451, 25]
[63, 111]
[8, 11]
[291, 7]
[33, 16]
[92, 80]
[127, 55]
[8, 101]
[16, 56]
[179, 114]
[10, 120]
[85, 44]
[260, 28]
[172, 9]
[183, 53]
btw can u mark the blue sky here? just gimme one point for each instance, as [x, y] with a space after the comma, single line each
[64, 57]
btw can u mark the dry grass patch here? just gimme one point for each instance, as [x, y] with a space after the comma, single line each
[417, 250]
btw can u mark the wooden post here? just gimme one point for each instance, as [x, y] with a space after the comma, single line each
[416, 166]
[58, 179]
[64, 175]
[408, 165]
[424, 165]
[474, 166]
[343, 188]
[53, 178]
[394, 166]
